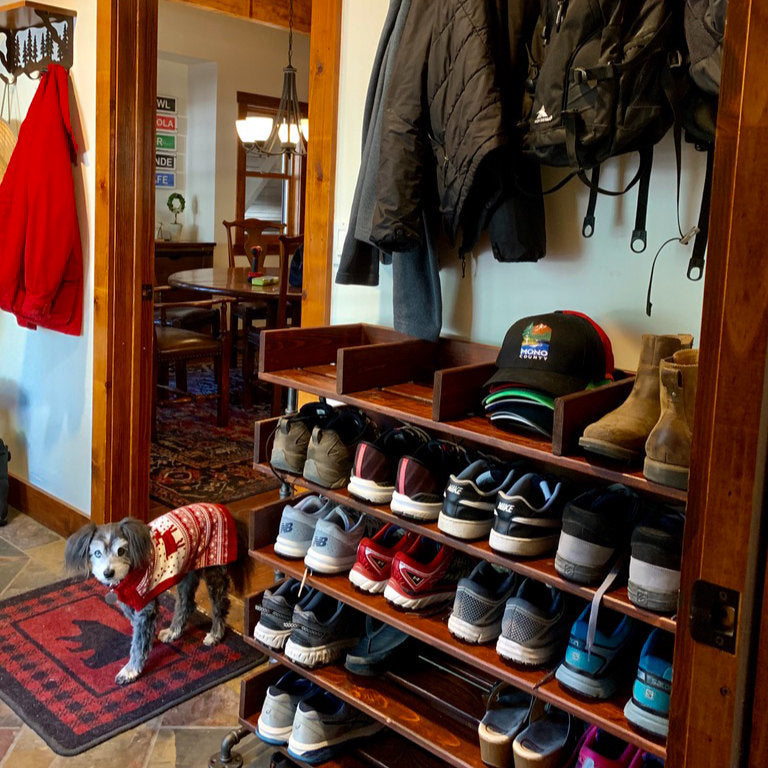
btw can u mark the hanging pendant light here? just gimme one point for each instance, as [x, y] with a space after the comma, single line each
[288, 132]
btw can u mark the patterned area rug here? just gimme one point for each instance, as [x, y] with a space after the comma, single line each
[62, 646]
[194, 460]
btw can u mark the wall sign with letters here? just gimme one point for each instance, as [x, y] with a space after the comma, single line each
[165, 180]
[165, 161]
[166, 104]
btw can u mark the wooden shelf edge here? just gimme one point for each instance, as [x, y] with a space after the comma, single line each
[541, 569]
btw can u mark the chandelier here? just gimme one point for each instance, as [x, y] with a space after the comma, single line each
[288, 131]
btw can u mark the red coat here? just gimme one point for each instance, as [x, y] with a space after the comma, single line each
[41, 262]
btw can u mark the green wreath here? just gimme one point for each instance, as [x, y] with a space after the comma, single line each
[176, 204]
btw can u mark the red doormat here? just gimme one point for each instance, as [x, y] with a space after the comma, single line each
[62, 646]
[193, 460]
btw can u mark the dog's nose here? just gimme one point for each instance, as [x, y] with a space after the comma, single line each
[109, 573]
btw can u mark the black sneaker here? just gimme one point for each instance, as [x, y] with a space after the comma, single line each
[276, 609]
[654, 567]
[527, 518]
[470, 497]
[332, 447]
[422, 477]
[289, 450]
[375, 465]
[596, 526]
[321, 631]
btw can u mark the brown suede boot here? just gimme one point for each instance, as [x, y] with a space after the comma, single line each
[668, 448]
[621, 434]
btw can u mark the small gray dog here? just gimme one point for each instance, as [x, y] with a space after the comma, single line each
[138, 561]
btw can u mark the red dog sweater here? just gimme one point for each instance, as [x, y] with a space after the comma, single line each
[183, 540]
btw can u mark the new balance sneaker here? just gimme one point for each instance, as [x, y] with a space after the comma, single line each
[297, 525]
[596, 672]
[323, 725]
[535, 625]
[275, 722]
[648, 709]
[600, 749]
[596, 526]
[479, 603]
[289, 450]
[375, 465]
[276, 613]
[422, 477]
[332, 447]
[321, 630]
[527, 517]
[470, 497]
[424, 575]
[373, 564]
[377, 650]
[334, 544]
[654, 567]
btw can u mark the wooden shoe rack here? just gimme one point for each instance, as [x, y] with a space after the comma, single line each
[437, 387]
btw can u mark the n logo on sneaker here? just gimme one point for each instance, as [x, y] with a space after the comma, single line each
[414, 578]
[377, 562]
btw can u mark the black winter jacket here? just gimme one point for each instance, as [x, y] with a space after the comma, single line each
[445, 113]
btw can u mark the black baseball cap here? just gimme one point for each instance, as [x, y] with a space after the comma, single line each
[555, 353]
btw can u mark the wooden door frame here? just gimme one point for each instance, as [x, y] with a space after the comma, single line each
[124, 214]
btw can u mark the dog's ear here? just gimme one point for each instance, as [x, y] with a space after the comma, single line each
[76, 553]
[139, 539]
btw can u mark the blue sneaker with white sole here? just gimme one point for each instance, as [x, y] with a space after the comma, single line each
[597, 672]
[335, 541]
[275, 722]
[648, 709]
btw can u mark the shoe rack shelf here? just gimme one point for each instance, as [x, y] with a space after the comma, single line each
[386, 750]
[438, 387]
[432, 629]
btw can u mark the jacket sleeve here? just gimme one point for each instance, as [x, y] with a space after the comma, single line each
[405, 170]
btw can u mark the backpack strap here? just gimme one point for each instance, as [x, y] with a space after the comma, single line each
[588, 225]
[640, 234]
[696, 262]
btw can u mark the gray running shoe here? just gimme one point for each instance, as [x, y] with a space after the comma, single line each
[332, 448]
[297, 525]
[479, 603]
[334, 545]
[321, 631]
[276, 719]
[289, 450]
[276, 609]
[535, 626]
[323, 725]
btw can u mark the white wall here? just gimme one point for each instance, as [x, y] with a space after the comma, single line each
[601, 276]
[248, 57]
[46, 380]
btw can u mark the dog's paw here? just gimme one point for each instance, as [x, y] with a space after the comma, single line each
[127, 675]
[212, 639]
[168, 635]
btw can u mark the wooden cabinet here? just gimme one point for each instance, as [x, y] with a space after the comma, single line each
[415, 710]
[173, 257]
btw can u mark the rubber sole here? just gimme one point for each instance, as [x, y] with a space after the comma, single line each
[368, 490]
[464, 529]
[325, 564]
[273, 638]
[646, 721]
[414, 603]
[512, 545]
[288, 548]
[416, 510]
[471, 633]
[671, 475]
[495, 748]
[277, 736]
[610, 450]
[520, 654]
[582, 561]
[366, 584]
[584, 685]
[316, 655]
[320, 751]
[653, 586]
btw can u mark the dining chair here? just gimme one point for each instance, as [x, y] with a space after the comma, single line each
[178, 346]
[248, 238]
[284, 313]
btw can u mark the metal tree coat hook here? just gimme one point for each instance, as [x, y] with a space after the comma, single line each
[32, 43]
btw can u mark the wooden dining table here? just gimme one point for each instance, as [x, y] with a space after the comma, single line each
[229, 281]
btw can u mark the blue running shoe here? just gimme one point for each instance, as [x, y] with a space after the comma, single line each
[598, 672]
[275, 722]
[648, 709]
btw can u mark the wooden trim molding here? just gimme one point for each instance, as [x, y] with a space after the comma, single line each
[124, 213]
[324, 62]
[711, 687]
[273, 13]
[44, 508]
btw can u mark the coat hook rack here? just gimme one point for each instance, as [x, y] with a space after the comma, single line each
[35, 36]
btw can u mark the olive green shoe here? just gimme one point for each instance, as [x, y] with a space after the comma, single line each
[289, 451]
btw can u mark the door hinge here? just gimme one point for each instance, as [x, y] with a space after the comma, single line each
[714, 615]
[146, 292]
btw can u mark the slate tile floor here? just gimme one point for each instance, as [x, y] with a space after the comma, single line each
[186, 736]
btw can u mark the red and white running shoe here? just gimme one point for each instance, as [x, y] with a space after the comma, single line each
[424, 575]
[374, 557]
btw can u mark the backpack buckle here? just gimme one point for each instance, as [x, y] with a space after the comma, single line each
[675, 59]
[579, 75]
